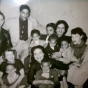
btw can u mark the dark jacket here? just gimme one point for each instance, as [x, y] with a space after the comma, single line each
[5, 40]
[35, 66]
[50, 51]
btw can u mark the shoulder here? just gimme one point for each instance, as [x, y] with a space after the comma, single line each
[4, 30]
[53, 71]
[39, 72]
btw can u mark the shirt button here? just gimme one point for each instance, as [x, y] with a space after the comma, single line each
[22, 32]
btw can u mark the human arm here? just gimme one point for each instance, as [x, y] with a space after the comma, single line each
[19, 79]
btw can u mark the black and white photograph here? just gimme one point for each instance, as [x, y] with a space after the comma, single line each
[43, 43]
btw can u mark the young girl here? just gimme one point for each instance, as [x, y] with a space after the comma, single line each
[35, 34]
[78, 72]
[12, 76]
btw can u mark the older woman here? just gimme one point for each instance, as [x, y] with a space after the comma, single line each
[61, 30]
[39, 54]
[78, 72]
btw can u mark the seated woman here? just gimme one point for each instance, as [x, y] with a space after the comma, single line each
[61, 30]
[10, 58]
[39, 54]
[78, 72]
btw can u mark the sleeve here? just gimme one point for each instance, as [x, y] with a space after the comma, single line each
[59, 65]
[55, 73]
[9, 43]
[38, 75]
[19, 65]
[31, 73]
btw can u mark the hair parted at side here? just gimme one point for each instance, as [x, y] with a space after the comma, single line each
[79, 31]
[10, 50]
[62, 22]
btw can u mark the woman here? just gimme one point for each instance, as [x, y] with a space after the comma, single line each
[39, 54]
[78, 72]
[10, 58]
[61, 30]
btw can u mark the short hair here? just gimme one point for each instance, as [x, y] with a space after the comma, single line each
[10, 65]
[65, 24]
[51, 25]
[65, 39]
[45, 61]
[2, 15]
[10, 50]
[53, 37]
[35, 31]
[79, 31]
[25, 7]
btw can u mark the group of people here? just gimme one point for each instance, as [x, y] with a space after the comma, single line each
[31, 59]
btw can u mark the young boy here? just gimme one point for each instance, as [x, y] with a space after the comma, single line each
[46, 77]
[12, 76]
[66, 53]
[52, 46]
[35, 34]
[50, 29]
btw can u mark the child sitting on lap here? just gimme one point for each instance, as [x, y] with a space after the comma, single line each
[46, 77]
[12, 76]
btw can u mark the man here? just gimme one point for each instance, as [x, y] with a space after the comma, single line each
[5, 40]
[20, 29]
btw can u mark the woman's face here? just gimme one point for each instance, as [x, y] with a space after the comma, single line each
[60, 29]
[9, 56]
[76, 38]
[38, 55]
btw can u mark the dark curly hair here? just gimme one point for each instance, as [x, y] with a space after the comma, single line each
[62, 22]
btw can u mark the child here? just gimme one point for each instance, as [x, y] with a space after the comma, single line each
[10, 58]
[52, 46]
[35, 34]
[50, 29]
[46, 77]
[66, 53]
[12, 77]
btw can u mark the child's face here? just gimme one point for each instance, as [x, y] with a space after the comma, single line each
[76, 38]
[64, 44]
[35, 37]
[60, 29]
[52, 42]
[46, 66]
[1, 20]
[9, 56]
[10, 70]
[50, 30]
